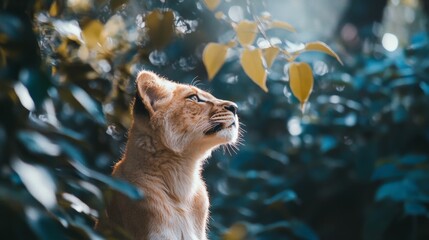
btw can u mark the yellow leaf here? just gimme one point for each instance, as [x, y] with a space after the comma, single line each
[246, 32]
[3, 38]
[213, 58]
[62, 49]
[301, 81]
[2, 58]
[83, 53]
[53, 10]
[270, 55]
[322, 47]
[251, 61]
[232, 44]
[212, 4]
[116, 4]
[114, 35]
[283, 25]
[114, 27]
[160, 25]
[80, 6]
[220, 15]
[37, 6]
[237, 231]
[91, 33]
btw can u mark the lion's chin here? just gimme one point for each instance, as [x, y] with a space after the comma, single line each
[228, 134]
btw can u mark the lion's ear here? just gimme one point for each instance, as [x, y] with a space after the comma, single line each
[150, 90]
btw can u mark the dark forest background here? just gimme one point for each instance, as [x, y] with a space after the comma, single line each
[354, 165]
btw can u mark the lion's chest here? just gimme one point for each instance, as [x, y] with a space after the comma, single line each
[181, 224]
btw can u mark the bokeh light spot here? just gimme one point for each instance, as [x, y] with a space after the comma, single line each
[236, 13]
[349, 32]
[294, 126]
[390, 42]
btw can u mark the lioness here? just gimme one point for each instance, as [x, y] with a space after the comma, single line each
[175, 127]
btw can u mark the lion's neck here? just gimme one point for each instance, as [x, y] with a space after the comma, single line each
[178, 175]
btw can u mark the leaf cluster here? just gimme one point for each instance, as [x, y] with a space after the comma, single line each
[257, 60]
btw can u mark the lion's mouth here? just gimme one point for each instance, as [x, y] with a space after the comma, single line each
[217, 128]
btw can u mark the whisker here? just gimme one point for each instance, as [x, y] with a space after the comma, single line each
[239, 141]
[197, 83]
[204, 127]
[233, 148]
[229, 152]
[223, 149]
[243, 130]
[240, 137]
[210, 126]
[194, 81]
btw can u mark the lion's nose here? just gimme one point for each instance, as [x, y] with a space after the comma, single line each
[232, 108]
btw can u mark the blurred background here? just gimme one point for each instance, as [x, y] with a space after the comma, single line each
[354, 165]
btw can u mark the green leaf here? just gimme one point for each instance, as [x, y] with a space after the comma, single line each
[88, 103]
[413, 159]
[386, 171]
[24, 96]
[302, 231]
[38, 143]
[301, 81]
[285, 196]
[43, 225]
[415, 209]
[119, 185]
[36, 83]
[251, 61]
[399, 191]
[38, 181]
[214, 57]
[73, 152]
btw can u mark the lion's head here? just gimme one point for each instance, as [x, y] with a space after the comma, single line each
[184, 117]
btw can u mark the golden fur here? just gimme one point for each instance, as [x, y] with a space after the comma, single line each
[175, 127]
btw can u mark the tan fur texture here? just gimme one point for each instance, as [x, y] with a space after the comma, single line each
[173, 131]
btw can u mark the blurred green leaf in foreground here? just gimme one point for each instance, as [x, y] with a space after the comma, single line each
[353, 166]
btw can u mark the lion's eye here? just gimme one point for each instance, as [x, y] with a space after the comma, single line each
[194, 97]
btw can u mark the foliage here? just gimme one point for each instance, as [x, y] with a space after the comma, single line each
[256, 61]
[354, 166]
